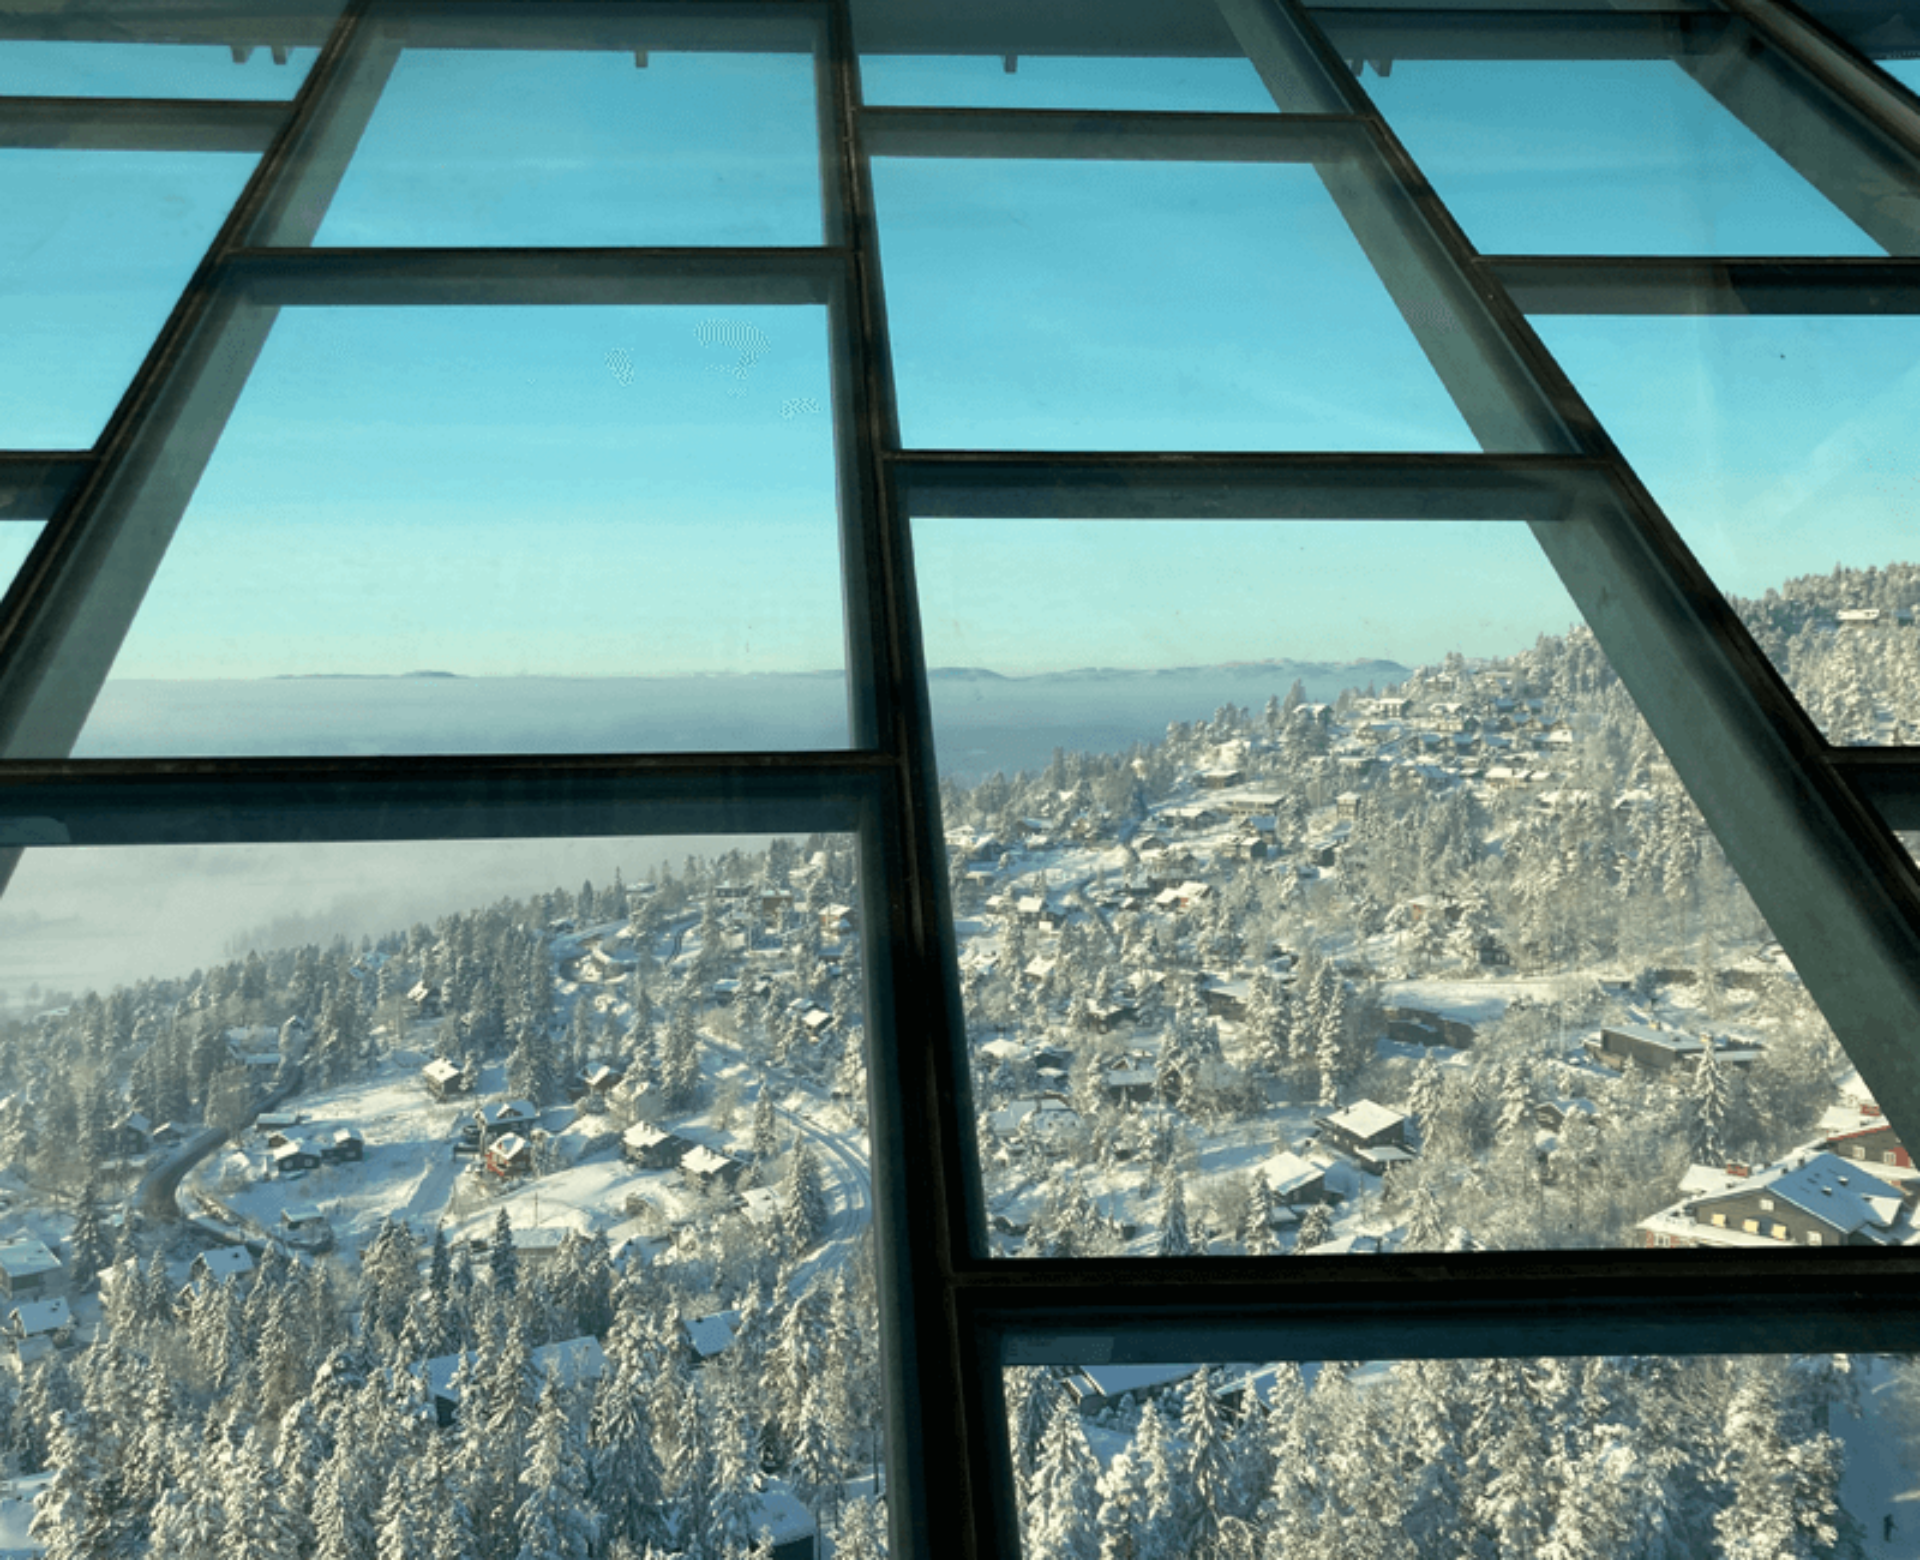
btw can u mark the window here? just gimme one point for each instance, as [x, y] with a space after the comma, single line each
[1766, 1205]
[686, 447]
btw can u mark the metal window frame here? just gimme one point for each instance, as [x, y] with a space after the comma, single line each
[1805, 824]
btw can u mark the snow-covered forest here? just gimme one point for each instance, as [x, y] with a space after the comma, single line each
[309, 1306]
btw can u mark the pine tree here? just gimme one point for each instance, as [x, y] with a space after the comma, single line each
[1060, 1517]
[1175, 1241]
[553, 1521]
[1316, 1227]
[803, 1202]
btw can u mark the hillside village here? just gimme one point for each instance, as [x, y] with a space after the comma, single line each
[543, 1230]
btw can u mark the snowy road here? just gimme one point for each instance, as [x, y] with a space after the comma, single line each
[849, 1177]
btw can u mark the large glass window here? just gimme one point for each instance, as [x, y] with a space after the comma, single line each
[1172, 633]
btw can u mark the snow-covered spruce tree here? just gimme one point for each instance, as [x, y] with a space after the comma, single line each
[554, 1521]
[803, 1199]
[1316, 1227]
[1175, 1240]
[1713, 1109]
[679, 1064]
[1061, 1510]
[1785, 1491]
[1206, 1466]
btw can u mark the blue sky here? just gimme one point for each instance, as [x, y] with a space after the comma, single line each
[626, 491]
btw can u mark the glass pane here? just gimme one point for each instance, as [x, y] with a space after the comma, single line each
[499, 530]
[1048, 81]
[1400, 935]
[1906, 72]
[685, 1198]
[1761, 1454]
[151, 70]
[94, 252]
[16, 541]
[1102, 306]
[496, 147]
[1781, 448]
[1601, 157]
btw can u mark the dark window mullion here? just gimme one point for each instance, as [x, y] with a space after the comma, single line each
[941, 1450]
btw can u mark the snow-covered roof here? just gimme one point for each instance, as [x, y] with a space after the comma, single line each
[760, 1205]
[1109, 1381]
[440, 1070]
[301, 1213]
[644, 1134]
[512, 1110]
[781, 1517]
[1003, 1050]
[575, 1359]
[224, 1262]
[1664, 1038]
[701, 1160]
[1130, 1078]
[1363, 1118]
[23, 1257]
[508, 1146]
[1825, 1186]
[1288, 1172]
[36, 1317]
[1048, 1113]
[292, 1148]
[709, 1335]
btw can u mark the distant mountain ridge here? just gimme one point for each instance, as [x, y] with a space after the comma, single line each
[1315, 671]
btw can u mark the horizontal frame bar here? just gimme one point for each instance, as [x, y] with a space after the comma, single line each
[948, 484]
[34, 483]
[414, 278]
[1598, 284]
[270, 801]
[141, 124]
[1887, 778]
[1087, 135]
[619, 26]
[1413, 1307]
[1402, 33]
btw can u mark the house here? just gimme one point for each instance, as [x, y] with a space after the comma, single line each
[37, 1327]
[708, 1336]
[1422, 1026]
[510, 1115]
[1859, 617]
[304, 1226]
[133, 1133]
[169, 1134]
[1368, 1133]
[510, 1154]
[1816, 1199]
[293, 1157]
[602, 1079]
[785, 1524]
[424, 999]
[1045, 1114]
[1128, 1085]
[1292, 1181]
[269, 1122]
[702, 1167]
[570, 1362]
[346, 1146]
[651, 1147]
[221, 1263]
[28, 1269]
[1657, 1050]
[1862, 1133]
[444, 1079]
